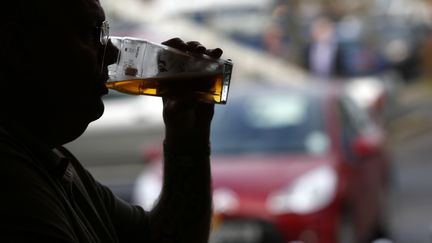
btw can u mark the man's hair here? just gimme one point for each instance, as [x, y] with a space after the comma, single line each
[19, 20]
[24, 10]
[35, 10]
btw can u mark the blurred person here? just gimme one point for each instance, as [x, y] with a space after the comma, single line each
[323, 56]
[52, 87]
[275, 42]
[275, 38]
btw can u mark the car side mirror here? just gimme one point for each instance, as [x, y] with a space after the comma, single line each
[364, 147]
[151, 154]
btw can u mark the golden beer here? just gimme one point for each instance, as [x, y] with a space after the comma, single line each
[205, 87]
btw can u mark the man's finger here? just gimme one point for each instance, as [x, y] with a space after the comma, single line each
[196, 47]
[176, 43]
[215, 53]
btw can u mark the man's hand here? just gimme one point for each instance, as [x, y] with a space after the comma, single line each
[183, 212]
[187, 121]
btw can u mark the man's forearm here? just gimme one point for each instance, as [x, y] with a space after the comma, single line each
[183, 212]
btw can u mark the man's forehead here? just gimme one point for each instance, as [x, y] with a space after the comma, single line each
[82, 10]
[64, 11]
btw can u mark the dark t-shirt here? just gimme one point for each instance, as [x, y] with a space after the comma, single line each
[47, 196]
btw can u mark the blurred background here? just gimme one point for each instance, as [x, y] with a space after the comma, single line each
[378, 52]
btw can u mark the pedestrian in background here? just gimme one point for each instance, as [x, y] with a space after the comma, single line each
[323, 55]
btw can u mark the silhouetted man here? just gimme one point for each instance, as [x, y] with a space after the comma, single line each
[52, 85]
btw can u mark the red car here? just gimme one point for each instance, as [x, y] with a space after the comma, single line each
[292, 164]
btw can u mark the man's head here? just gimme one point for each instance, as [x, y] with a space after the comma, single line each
[322, 29]
[51, 67]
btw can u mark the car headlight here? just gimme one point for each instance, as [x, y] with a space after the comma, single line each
[147, 190]
[309, 193]
[224, 200]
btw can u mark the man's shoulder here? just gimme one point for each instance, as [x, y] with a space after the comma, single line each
[18, 168]
[29, 204]
[18, 154]
[27, 191]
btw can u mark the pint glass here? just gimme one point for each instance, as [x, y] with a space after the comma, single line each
[148, 68]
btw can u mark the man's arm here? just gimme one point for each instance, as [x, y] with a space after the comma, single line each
[184, 209]
[183, 212]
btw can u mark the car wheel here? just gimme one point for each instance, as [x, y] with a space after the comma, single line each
[346, 229]
[271, 234]
[382, 230]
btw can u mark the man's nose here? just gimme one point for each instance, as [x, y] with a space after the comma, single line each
[111, 53]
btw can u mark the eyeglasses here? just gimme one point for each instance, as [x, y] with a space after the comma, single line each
[103, 38]
[104, 33]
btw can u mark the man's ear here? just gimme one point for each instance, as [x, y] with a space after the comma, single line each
[18, 48]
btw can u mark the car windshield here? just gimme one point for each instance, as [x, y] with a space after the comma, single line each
[274, 123]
